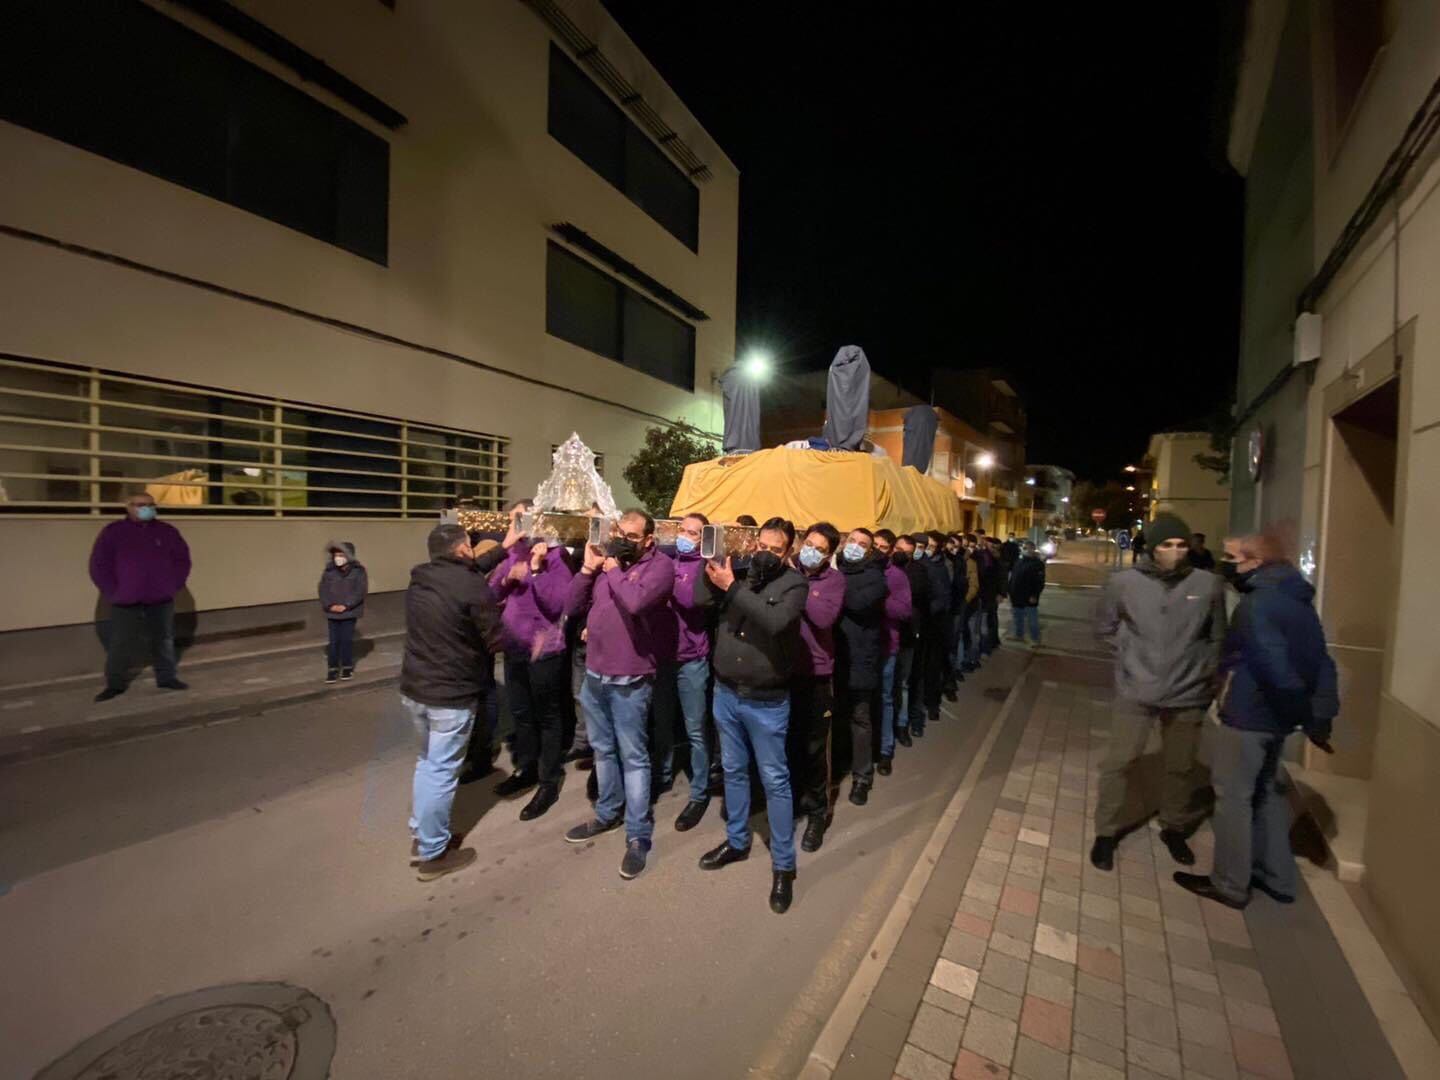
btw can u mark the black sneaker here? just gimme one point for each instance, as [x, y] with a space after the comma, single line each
[1203, 887]
[782, 891]
[691, 815]
[515, 783]
[917, 732]
[546, 796]
[346, 674]
[109, 692]
[173, 684]
[333, 675]
[634, 861]
[476, 768]
[860, 792]
[1274, 894]
[1179, 849]
[883, 766]
[814, 833]
[1102, 854]
[902, 736]
[583, 834]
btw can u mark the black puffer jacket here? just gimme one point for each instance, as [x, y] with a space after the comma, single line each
[452, 632]
[346, 586]
[758, 636]
[860, 640]
[1027, 581]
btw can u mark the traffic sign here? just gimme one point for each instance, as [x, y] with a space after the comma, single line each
[1098, 516]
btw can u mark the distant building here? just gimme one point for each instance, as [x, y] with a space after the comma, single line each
[1338, 408]
[1178, 485]
[979, 447]
[1051, 489]
[322, 274]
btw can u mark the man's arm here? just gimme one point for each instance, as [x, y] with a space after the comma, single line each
[490, 559]
[552, 586]
[485, 614]
[823, 604]
[774, 618]
[864, 593]
[180, 559]
[102, 564]
[897, 601]
[581, 593]
[1107, 614]
[651, 586]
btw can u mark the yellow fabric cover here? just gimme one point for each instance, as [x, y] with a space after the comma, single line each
[849, 490]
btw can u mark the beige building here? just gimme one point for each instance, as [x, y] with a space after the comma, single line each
[1178, 485]
[322, 268]
[1334, 128]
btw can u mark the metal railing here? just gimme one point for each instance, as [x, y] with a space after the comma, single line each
[77, 441]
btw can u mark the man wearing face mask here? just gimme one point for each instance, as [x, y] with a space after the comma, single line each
[1164, 621]
[1276, 677]
[909, 715]
[812, 697]
[859, 655]
[452, 632]
[897, 627]
[139, 564]
[624, 592]
[756, 645]
[682, 683]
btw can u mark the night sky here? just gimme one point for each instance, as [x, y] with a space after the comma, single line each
[978, 186]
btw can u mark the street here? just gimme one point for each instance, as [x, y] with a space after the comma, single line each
[272, 848]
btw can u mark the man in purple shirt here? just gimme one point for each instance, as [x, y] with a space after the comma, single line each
[682, 684]
[139, 564]
[897, 625]
[812, 699]
[532, 585]
[624, 591]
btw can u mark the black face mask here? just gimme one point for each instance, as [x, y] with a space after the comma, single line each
[623, 550]
[765, 567]
[900, 559]
[1229, 570]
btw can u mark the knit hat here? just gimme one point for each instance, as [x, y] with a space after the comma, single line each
[1165, 527]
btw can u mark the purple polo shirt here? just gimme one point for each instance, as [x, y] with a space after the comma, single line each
[824, 597]
[630, 626]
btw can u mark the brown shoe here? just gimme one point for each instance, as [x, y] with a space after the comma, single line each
[430, 869]
[455, 842]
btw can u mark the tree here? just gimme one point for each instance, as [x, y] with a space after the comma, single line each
[654, 472]
[1121, 507]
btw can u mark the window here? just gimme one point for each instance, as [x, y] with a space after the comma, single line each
[591, 126]
[121, 80]
[77, 440]
[589, 308]
[1359, 29]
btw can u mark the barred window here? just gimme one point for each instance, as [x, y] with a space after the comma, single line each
[79, 440]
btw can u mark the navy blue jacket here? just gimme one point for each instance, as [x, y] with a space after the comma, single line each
[1276, 674]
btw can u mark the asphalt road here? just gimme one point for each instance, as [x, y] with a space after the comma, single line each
[274, 848]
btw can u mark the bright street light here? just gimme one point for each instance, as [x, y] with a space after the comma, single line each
[985, 461]
[1065, 498]
[756, 365]
[1129, 487]
[1030, 481]
[1131, 468]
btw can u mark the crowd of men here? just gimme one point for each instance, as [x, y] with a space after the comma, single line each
[810, 657]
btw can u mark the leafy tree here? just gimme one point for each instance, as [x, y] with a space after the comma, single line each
[1121, 507]
[655, 471]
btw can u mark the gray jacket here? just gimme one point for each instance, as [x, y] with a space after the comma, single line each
[1166, 635]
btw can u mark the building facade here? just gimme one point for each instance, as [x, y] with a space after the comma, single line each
[1051, 491]
[1178, 484]
[1339, 407]
[324, 268]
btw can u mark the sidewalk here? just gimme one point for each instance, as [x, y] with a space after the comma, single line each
[1021, 960]
[40, 721]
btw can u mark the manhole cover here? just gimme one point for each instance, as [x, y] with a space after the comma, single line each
[249, 1031]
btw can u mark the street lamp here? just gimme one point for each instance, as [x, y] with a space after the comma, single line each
[985, 461]
[756, 365]
[1129, 487]
[1131, 468]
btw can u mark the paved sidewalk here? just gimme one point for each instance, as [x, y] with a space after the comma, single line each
[1038, 966]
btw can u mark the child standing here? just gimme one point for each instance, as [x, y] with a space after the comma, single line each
[343, 586]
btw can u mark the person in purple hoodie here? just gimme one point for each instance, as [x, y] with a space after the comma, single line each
[812, 698]
[683, 683]
[897, 624]
[624, 592]
[139, 564]
[532, 585]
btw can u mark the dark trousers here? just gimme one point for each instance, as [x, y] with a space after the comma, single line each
[134, 625]
[580, 739]
[950, 623]
[535, 690]
[812, 709]
[992, 624]
[341, 653]
[916, 681]
[931, 662]
[664, 711]
[854, 709]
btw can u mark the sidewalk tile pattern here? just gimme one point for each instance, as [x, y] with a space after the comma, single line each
[1053, 970]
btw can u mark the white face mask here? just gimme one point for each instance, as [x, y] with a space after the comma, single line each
[340, 560]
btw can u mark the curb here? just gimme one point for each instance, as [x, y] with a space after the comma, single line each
[68, 738]
[825, 1055]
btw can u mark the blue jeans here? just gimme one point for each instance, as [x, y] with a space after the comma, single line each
[341, 650]
[977, 635]
[1252, 814]
[1027, 617]
[886, 720]
[444, 734]
[684, 686]
[747, 726]
[615, 719]
[904, 662]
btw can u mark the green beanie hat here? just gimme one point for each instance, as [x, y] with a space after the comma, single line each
[1165, 527]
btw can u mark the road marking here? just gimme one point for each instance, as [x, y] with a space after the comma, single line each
[17, 704]
[835, 1036]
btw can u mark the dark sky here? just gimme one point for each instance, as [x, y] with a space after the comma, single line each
[981, 185]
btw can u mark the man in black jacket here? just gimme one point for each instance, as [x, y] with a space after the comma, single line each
[909, 664]
[859, 653]
[754, 659]
[1027, 582]
[933, 634]
[452, 630]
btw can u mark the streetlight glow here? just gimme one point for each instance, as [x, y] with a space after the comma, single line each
[756, 365]
[1129, 487]
[1130, 468]
[985, 461]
